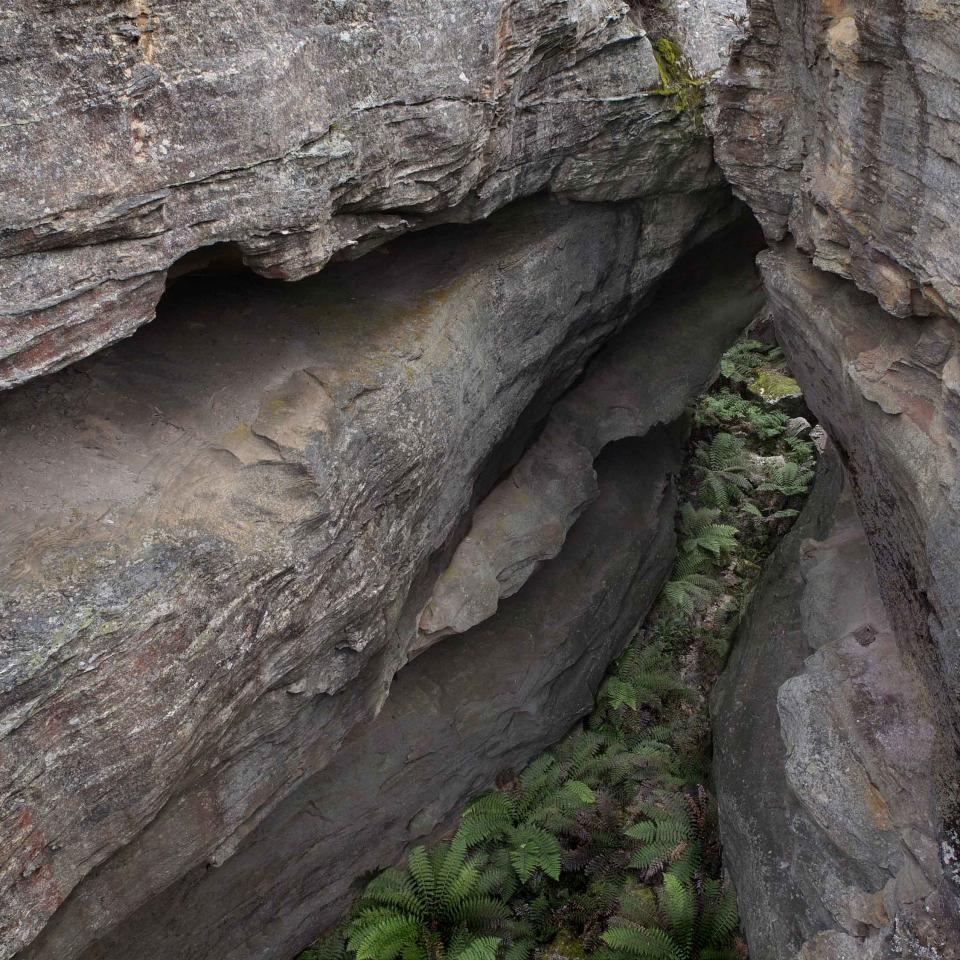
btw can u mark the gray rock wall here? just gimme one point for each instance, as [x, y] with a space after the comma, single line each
[827, 753]
[132, 134]
[837, 123]
[464, 711]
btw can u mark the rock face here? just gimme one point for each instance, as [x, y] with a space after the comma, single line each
[525, 518]
[465, 710]
[837, 123]
[135, 133]
[219, 537]
[826, 758]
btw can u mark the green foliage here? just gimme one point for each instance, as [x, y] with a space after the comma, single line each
[729, 408]
[642, 677]
[702, 536]
[676, 81]
[679, 920]
[331, 947]
[723, 468]
[440, 906]
[788, 479]
[742, 361]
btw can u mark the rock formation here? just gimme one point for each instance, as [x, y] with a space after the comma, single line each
[248, 550]
[827, 752]
[458, 715]
[837, 124]
[135, 133]
[220, 534]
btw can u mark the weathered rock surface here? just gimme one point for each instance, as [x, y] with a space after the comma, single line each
[465, 710]
[826, 758]
[219, 535]
[525, 518]
[134, 133]
[839, 122]
[886, 390]
[706, 31]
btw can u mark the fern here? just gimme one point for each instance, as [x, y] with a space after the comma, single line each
[678, 922]
[722, 466]
[742, 361]
[789, 479]
[533, 848]
[700, 534]
[437, 904]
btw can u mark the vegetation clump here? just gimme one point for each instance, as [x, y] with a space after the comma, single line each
[676, 79]
[606, 846]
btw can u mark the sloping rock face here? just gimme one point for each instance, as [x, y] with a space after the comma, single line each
[134, 133]
[219, 537]
[468, 709]
[837, 122]
[826, 758]
[525, 518]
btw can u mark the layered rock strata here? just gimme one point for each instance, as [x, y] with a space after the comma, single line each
[219, 536]
[135, 133]
[525, 518]
[838, 123]
[466, 710]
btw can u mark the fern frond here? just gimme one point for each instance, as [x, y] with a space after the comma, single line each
[381, 934]
[533, 848]
[479, 948]
[679, 908]
[644, 943]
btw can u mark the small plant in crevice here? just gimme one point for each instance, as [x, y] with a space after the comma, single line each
[606, 846]
[677, 81]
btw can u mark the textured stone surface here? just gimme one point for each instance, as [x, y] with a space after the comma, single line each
[839, 121]
[886, 390]
[218, 536]
[525, 519]
[134, 133]
[468, 708]
[706, 31]
[826, 759]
